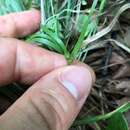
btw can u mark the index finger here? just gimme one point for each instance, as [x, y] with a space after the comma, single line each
[24, 62]
[19, 24]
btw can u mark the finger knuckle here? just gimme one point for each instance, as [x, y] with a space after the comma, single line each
[49, 107]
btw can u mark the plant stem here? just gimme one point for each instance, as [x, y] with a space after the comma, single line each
[102, 5]
[83, 32]
[43, 18]
[90, 120]
[68, 12]
[29, 4]
[52, 8]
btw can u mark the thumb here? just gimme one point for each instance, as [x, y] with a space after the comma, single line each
[52, 103]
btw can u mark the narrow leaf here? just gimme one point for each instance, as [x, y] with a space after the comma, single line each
[117, 122]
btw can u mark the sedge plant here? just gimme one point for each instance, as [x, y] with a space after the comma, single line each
[52, 34]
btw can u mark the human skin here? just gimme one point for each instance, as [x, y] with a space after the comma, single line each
[57, 91]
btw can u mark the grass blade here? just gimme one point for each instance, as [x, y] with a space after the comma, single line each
[117, 122]
[89, 120]
[83, 32]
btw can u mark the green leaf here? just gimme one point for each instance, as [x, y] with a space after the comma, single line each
[86, 22]
[54, 37]
[8, 6]
[90, 119]
[92, 26]
[44, 40]
[117, 122]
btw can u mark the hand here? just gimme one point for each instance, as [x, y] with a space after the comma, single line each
[57, 91]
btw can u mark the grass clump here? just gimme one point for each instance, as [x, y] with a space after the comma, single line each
[59, 21]
[58, 24]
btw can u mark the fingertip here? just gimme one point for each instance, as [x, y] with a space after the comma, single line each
[59, 60]
[69, 86]
[77, 80]
[19, 24]
[34, 14]
[27, 22]
[90, 69]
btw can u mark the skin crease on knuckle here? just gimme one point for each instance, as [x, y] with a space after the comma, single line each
[7, 63]
[54, 103]
[39, 61]
[48, 108]
[30, 62]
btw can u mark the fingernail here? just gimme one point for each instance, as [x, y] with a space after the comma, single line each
[77, 80]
